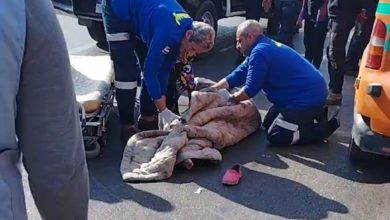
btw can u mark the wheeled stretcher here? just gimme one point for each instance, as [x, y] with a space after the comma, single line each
[93, 84]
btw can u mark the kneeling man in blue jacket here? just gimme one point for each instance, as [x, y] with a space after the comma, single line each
[295, 87]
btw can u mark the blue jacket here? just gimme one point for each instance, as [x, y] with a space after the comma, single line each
[286, 78]
[161, 25]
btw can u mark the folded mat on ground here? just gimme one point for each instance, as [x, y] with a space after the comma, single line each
[211, 125]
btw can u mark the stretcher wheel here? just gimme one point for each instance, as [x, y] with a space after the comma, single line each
[92, 150]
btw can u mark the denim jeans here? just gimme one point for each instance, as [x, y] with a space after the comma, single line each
[286, 12]
[314, 37]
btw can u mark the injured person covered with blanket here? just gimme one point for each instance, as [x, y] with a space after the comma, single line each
[216, 119]
[210, 124]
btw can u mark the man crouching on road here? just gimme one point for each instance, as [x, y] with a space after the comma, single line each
[295, 88]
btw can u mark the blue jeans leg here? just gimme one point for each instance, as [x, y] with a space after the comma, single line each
[288, 12]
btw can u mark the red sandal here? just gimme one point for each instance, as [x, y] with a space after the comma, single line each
[232, 176]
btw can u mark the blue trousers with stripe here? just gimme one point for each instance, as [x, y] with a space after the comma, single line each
[288, 127]
[124, 48]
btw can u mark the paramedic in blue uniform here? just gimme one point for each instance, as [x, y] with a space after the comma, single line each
[295, 88]
[169, 35]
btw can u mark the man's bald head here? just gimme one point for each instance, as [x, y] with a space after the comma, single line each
[250, 27]
[247, 34]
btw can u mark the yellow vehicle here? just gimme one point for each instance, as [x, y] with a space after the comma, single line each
[371, 128]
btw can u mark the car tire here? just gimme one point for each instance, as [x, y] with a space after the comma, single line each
[92, 150]
[97, 33]
[207, 13]
[355, 153]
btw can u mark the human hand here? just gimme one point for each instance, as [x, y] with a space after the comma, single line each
[225, 94]
[160, 103]
[232, 100]
[362, 16]
[165, 118]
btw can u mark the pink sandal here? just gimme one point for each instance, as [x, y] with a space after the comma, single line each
[232, 176]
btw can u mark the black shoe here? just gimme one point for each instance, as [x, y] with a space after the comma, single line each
[144, 125]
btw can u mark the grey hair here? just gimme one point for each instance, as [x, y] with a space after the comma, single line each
[250, 27]
[203, 34]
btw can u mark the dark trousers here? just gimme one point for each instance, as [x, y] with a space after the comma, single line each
[314, 37]
[339, 32]
[288, 127]
[123, 46]
[147, 105]
[128, 54]
[253, 9]
[361, 37]
[286, 13]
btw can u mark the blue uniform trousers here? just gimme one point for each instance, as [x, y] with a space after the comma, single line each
[124, 47]
[288, 127]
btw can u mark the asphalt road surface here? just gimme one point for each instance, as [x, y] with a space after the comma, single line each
[300, 182]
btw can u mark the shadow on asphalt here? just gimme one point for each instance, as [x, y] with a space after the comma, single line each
[106, 183]
[333, 158]
[258, 190]
[122, 191]
[273, 194]
[277, 195]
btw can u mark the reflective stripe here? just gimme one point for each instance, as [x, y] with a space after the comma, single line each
[383, 8]
[289, 126]
[125, 85]
[286, 125]
[377, 41]
[118, 37]
[273, 124]
[179, 17]
[296, 136]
